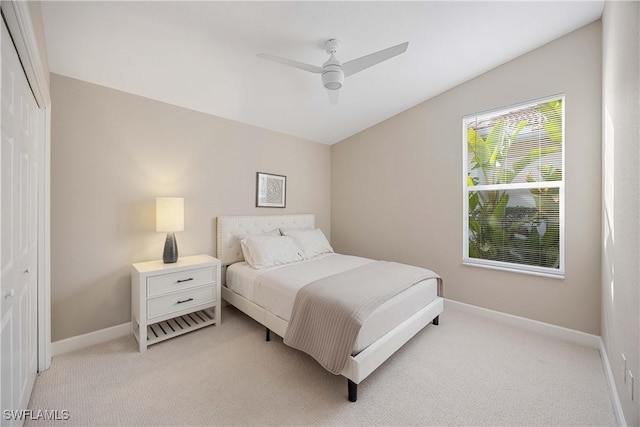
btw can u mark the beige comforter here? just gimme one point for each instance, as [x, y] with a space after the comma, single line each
[328, 313]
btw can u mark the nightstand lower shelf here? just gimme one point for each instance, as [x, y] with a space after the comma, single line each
[179, 325]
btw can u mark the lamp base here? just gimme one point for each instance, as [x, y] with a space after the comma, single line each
[170, 254]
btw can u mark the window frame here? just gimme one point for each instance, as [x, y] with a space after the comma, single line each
[557, 273]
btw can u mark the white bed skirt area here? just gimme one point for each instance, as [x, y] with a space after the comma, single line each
[268, 295]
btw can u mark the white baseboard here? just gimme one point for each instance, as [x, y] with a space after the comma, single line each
[92, 338]
[571, 335]
[617, 406]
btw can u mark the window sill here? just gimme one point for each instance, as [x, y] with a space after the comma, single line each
[496, 265]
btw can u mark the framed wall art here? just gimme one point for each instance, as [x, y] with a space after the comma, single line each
[271, 190]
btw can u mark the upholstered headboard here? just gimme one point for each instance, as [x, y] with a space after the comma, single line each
[229, 228]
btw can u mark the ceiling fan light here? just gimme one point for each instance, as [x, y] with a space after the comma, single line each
[333, 79]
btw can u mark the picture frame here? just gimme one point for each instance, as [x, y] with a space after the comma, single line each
[271, 190]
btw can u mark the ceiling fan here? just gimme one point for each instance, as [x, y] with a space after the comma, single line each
[333, 71]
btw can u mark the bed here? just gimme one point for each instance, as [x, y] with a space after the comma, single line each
[268, 294]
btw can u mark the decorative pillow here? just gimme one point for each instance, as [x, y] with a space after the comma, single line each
[311, 242]
[240, 237]
[267, 251]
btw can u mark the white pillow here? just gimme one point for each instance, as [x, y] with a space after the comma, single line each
[241, 256]
[267, 251]
[312, 242]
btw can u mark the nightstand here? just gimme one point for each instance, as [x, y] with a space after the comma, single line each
[168, 300]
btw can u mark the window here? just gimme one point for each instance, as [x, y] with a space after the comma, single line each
[514, 188]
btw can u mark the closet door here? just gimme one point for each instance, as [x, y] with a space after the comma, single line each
[21, 128]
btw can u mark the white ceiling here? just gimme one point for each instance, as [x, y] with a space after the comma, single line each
[202, 55]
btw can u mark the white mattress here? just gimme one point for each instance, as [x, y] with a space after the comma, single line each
[275, 288]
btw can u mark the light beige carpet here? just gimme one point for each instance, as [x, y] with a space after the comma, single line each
[466, 371]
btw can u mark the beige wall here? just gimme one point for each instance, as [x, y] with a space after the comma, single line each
[397, 187]
[113, 153]
[621, 198]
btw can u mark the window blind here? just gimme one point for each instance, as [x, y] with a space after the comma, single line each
[514, 187]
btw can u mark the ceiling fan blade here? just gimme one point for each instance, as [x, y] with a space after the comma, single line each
[291, 63]
[333, 96]
[367, 61]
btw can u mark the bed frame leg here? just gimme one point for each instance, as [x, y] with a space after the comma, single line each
[268, 336]
[436, 320]
[353, 391]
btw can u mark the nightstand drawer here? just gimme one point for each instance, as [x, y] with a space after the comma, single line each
[182, 280]
[177, 302]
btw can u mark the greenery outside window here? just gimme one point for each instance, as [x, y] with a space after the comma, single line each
[513, 182]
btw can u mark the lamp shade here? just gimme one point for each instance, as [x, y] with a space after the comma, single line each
[169, 214]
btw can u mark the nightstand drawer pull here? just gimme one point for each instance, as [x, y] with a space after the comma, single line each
[185, 280]
[183, 301]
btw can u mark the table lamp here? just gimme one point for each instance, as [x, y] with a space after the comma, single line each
[170, 218]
